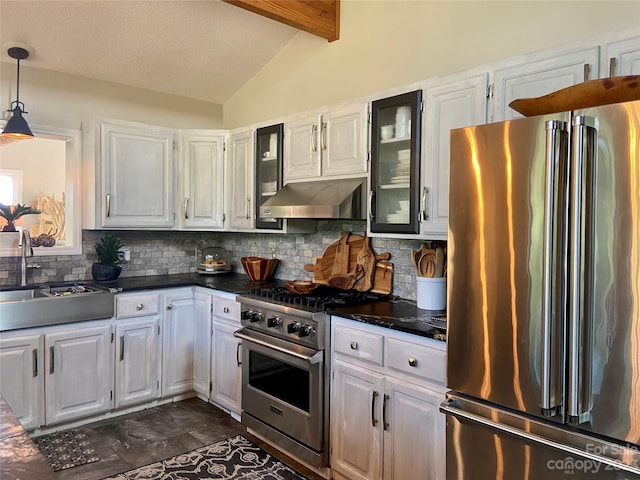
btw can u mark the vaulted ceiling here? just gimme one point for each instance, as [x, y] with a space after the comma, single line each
[204, 50]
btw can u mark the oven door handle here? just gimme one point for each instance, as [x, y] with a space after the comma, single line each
[313, 359]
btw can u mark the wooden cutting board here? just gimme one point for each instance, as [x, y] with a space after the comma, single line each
[328, 258]
[591, 93]
[382, 278]
[367, 260]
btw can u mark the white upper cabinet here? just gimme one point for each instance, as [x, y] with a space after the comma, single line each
[451, 102]
[240, 180]
[137, 175]
[621, 58]
[331, 143]
[535, 76]
[201, 173]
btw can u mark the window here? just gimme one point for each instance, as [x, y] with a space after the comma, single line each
[10, 186]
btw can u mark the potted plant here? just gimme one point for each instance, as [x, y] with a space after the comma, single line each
[109, 259]
[11, 215]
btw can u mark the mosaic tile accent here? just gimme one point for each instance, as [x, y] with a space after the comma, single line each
[162, 253]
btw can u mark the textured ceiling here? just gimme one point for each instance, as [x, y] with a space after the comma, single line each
[204, 50]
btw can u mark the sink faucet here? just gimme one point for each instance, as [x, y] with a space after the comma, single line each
[27, 251]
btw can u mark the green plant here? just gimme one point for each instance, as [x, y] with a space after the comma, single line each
[11, 215]
[108, 250]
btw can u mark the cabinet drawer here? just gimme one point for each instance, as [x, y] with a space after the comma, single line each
[417, 360]
[358, 344]
[226, 308]
[137, 305]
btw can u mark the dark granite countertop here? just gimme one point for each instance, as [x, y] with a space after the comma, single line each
[398, 314]
[20, 459]
[237, 283]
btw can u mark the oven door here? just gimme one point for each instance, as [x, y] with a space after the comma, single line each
[282, 386]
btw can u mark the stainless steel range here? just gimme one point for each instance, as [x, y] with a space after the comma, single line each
[285, 372]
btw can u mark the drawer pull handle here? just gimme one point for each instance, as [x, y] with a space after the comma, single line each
[225, 309]
[385, 422]
[354, 345]
[139, 306]
[121, 348]
[413, 362]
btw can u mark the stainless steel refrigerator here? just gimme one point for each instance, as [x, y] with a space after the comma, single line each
[543, 347]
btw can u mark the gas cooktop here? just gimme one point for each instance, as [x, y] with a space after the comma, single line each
[319, 300]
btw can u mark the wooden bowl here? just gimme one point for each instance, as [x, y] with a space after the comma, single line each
[259, 269]
[301, 287]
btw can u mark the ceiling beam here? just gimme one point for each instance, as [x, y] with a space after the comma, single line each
[319, 17]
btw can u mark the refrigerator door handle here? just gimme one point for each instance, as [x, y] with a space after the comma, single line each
[448, 408]
[580, 321]
[554, 242]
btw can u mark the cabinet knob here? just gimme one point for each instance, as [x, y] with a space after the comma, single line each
[413, 362]
[139, 306]
[354, 345]
[169, 307]
[225, 309]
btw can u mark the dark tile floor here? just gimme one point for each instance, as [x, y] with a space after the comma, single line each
[144, 437]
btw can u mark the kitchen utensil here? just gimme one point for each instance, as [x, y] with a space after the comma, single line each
[427, 265]
[259, 269]
[586, 94]
[301, 287]
[367, 260]
[439, 267]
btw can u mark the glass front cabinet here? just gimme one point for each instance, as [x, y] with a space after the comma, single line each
[268, 171]
[395, 164]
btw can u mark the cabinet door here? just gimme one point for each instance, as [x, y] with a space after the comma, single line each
[268, 171]
[202, 181]
[450, 103]
[621, 58]
[415, 434]
[541, 77]
[302, 148]
[79, 373]
[21, 378]
[177, 342]
[227, 372]
[356, 422]
[343, 140]
[137, 360]
[202, 343]
[395, 163]
[240, 177]
[138, 175]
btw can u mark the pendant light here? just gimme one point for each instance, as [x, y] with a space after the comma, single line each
[17, 126]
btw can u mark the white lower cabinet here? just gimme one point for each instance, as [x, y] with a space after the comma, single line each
[138, 348]
[385, 422]
[79, 370]
[21, 376]
[203, 300]
[226, 371]
[177, 340]
[137, 361]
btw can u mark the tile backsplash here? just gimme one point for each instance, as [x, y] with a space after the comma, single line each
[161, 253]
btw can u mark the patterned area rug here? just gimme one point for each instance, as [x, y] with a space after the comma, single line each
[68, 449]
[235, 458]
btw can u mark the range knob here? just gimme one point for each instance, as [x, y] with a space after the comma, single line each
[255, 317]
[273, 322]
[305, 331]
[293, 327]
[246, 315]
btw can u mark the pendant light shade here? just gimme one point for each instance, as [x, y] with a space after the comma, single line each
[17, 126]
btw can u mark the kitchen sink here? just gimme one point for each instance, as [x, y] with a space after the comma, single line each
[54, 304]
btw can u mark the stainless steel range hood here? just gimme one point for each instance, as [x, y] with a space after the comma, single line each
[327, 199]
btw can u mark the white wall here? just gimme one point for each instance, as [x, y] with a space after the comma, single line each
[389, 43]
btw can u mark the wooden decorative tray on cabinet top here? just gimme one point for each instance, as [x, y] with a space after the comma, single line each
[591, 93]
